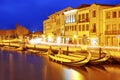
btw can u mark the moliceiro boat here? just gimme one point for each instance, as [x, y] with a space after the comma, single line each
[99, 57]
[71, 59]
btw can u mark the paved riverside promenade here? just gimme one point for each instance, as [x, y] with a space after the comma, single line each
[114, 51]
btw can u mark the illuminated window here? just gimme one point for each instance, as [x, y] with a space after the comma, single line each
[68, 19]
[107, 15]
[114, 14]
[72, 18]
[94, 13]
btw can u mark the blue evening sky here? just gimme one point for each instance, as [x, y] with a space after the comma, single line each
[31, 13]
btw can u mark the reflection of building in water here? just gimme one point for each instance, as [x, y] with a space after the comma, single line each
[99, 22]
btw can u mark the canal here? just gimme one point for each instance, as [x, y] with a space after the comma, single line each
[25, 66]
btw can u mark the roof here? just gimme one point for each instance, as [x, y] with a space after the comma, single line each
[7, 32]
[104, 4]
[87, 5]
[83, 6]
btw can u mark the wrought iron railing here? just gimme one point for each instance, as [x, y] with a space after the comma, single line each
[115, 32]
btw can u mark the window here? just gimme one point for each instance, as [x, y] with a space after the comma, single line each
[65, 28]
[87, 27]
[83, 27]
[79, 18]
[79, 27]
[94, 28]
[114, 27]
[72, 28]
[119, 28]
[83, 16]
[87, 17]
[74, 17]
[94, 13]
[69, 18]
[108, 27]
[57, 21]
[107, 15]
[114, 15]
[69, 28]
[75, 28]
[118, 13]
[66, 19]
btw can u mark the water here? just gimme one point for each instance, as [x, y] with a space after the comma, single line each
[25, 66]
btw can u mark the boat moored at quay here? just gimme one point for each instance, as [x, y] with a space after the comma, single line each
[76, 55]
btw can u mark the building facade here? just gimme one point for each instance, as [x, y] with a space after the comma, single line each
[95, 24]
[19, 32]
[111, 26]
[53, 27]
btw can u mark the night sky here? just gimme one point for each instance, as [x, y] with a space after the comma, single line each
[31, 13]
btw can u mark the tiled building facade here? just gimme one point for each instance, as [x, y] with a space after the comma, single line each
[94, 24]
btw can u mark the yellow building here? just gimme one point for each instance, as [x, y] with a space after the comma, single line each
[54, 25]
[111, 25]
[95, 24]
[70, 26]
[84, 24]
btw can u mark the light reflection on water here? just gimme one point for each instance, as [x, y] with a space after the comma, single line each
[71, 74]
[23, 66]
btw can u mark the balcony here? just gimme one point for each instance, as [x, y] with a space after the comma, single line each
[116, 32]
